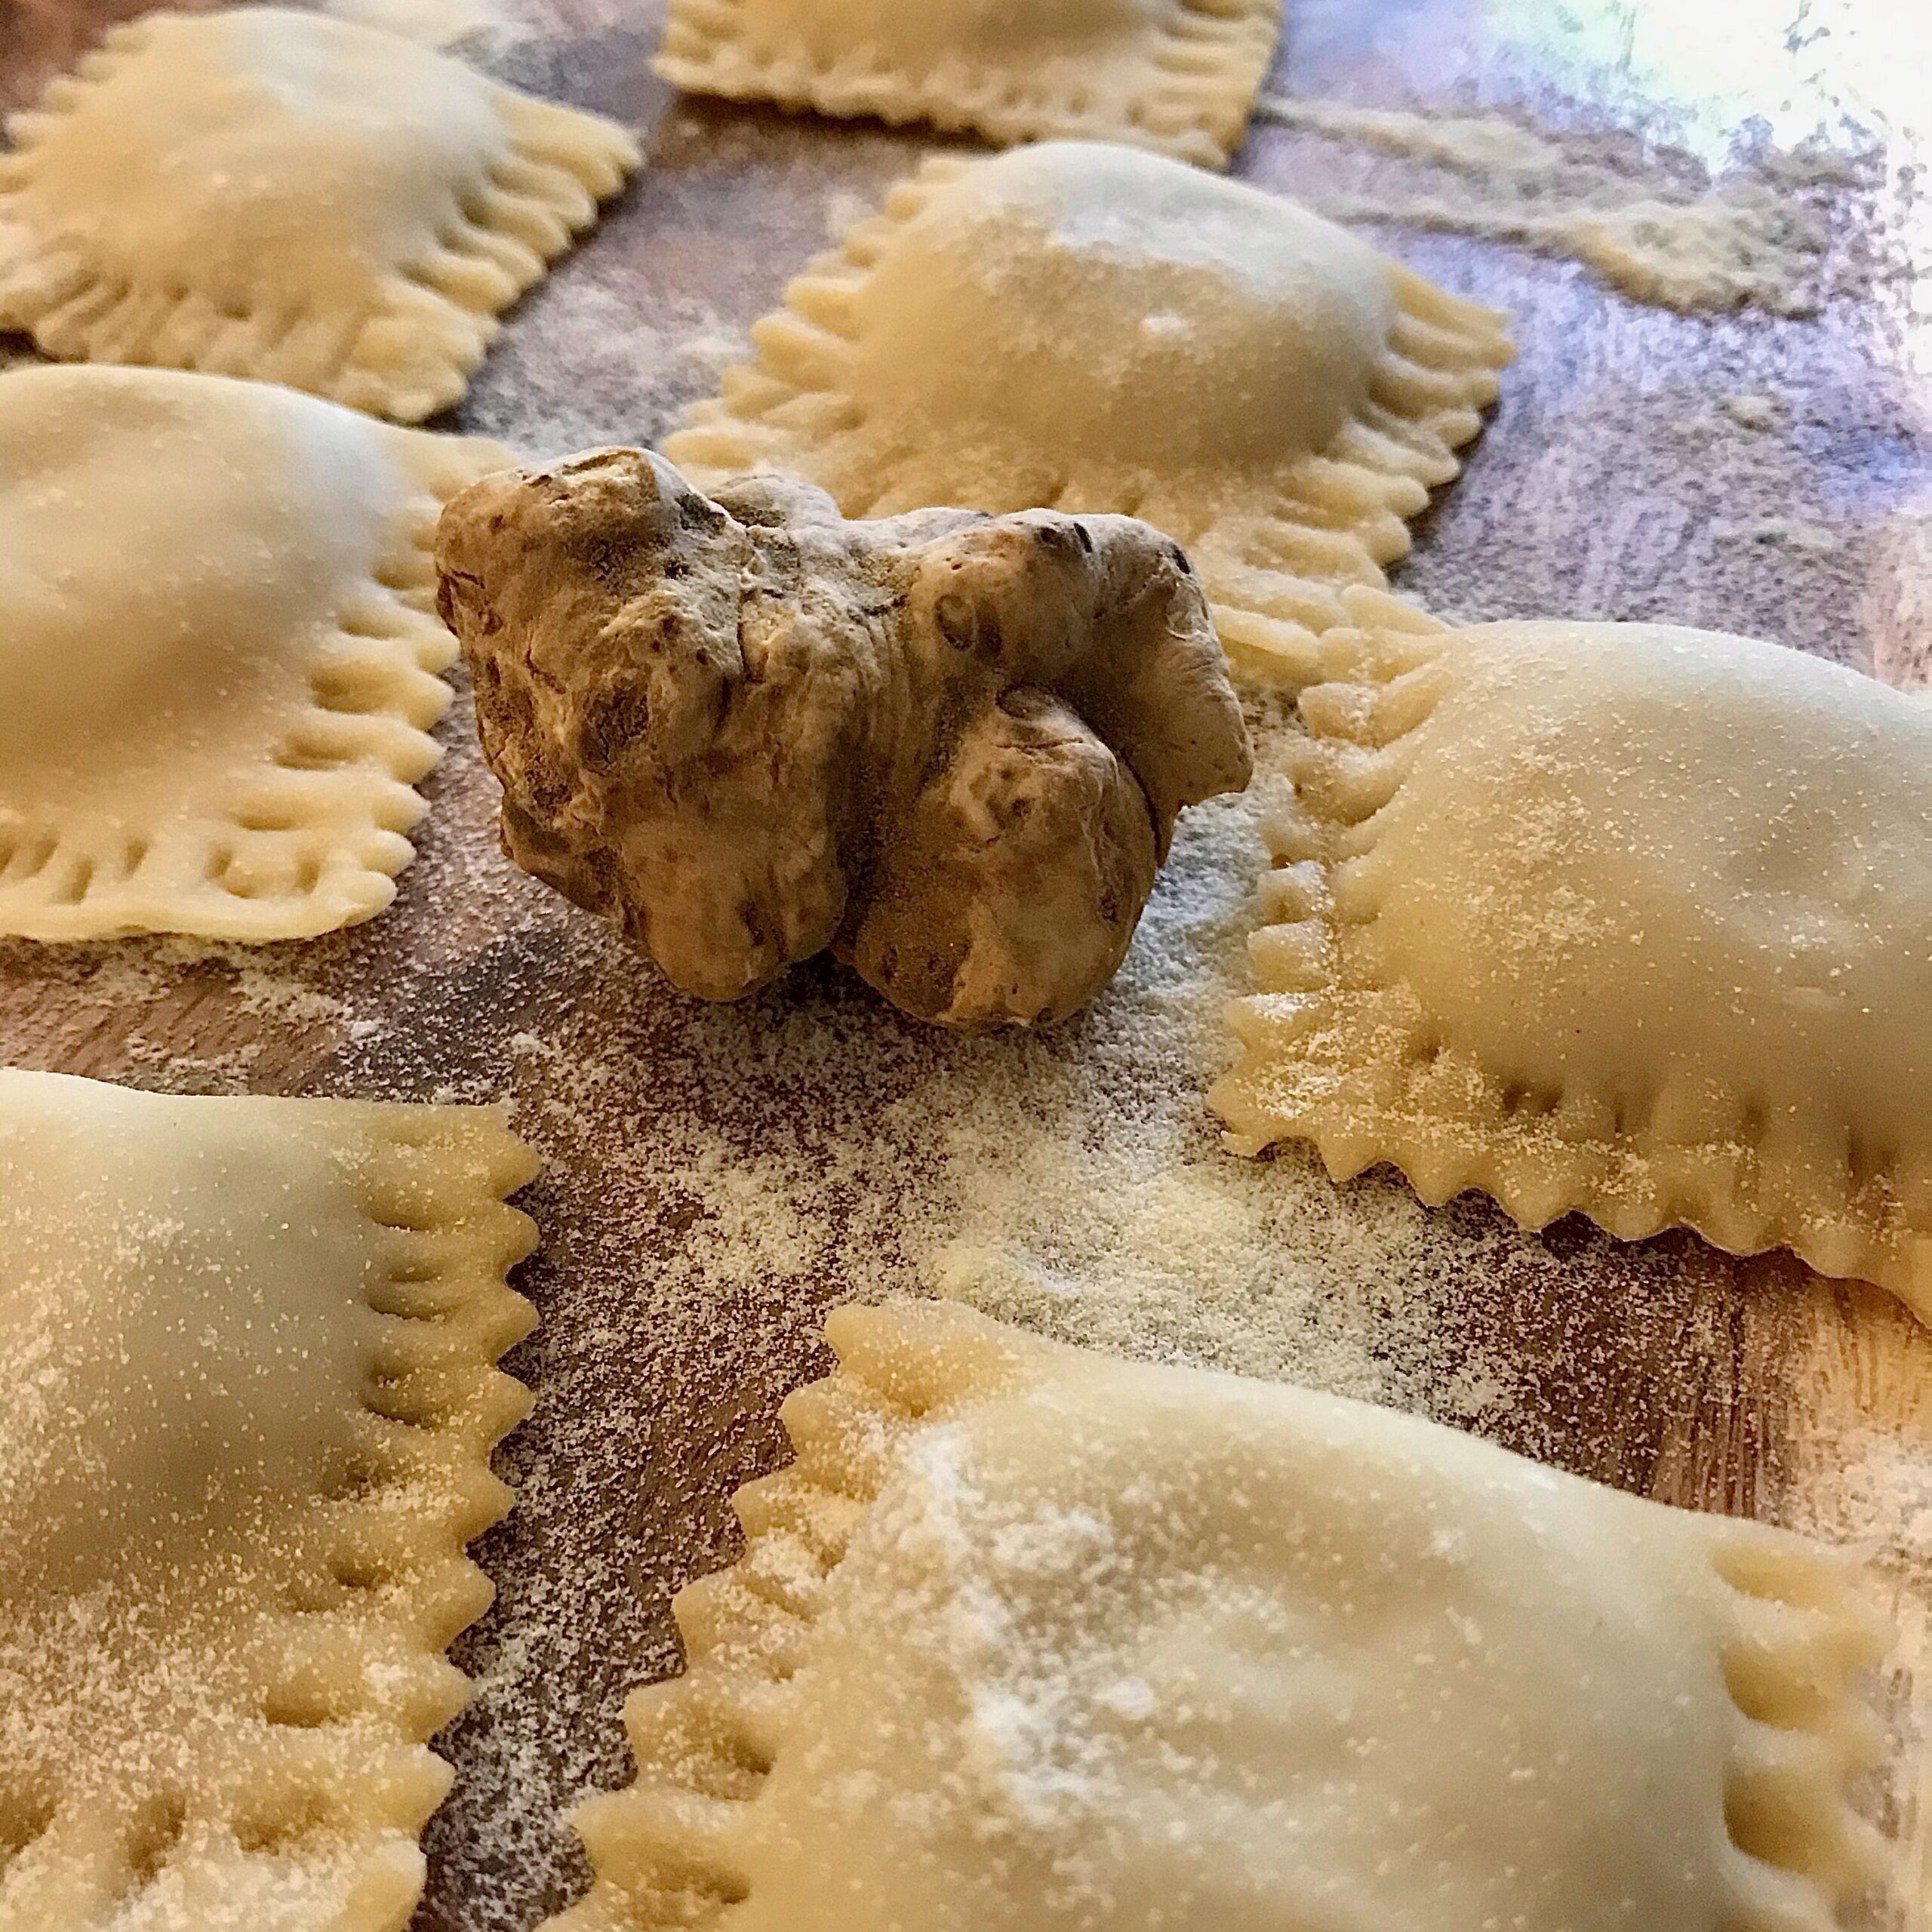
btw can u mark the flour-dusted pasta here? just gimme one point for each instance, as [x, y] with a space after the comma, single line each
[218, 651]
[248, 1348]
[269, 193]
[1085, 327]
[1179, 76]
[1028, 1638]
[1618, 917]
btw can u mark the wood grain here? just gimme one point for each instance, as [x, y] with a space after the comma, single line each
[1608, 485]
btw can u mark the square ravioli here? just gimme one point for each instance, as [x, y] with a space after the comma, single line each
[269, 193]
[249, 1350]
[1619, 918]
[1179, 76]
[218, 653]
[1082, 327]
[1029, 1638]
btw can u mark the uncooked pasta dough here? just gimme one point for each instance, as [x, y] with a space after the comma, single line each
[249, 1347]
[1032, 1639]
[218, 653]
[1177, 75]
[1617, 916]
[269, 193]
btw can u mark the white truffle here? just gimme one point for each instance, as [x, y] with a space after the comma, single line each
[950, 746]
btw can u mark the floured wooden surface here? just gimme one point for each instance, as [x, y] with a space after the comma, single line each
[716, 1176]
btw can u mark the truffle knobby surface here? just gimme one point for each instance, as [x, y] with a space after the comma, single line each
[951, 747]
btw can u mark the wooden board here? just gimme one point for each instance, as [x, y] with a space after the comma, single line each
[715, 1178]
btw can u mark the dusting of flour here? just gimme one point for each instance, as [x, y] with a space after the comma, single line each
[1677, 244]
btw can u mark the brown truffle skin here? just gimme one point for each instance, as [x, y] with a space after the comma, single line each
[950, 746]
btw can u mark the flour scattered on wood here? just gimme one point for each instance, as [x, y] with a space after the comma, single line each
[716, 350]
[1753, 412]
[1745, 246]
[1484, 145]
[843, 208]
[1656, 235]
[1072, 1179]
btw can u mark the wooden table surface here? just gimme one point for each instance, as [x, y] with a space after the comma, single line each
[716, 1177]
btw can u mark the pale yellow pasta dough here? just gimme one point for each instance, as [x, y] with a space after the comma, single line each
[1179, 76]
[1029, 1638]
[1615, 917]
[269, 193]
[218, 646]
[1086, 327]
[247, 1349]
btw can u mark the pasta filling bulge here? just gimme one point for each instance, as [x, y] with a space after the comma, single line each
[279, 195]
[250, 1350]
[1624, 919]
[1027, 1635]
[218, 653]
